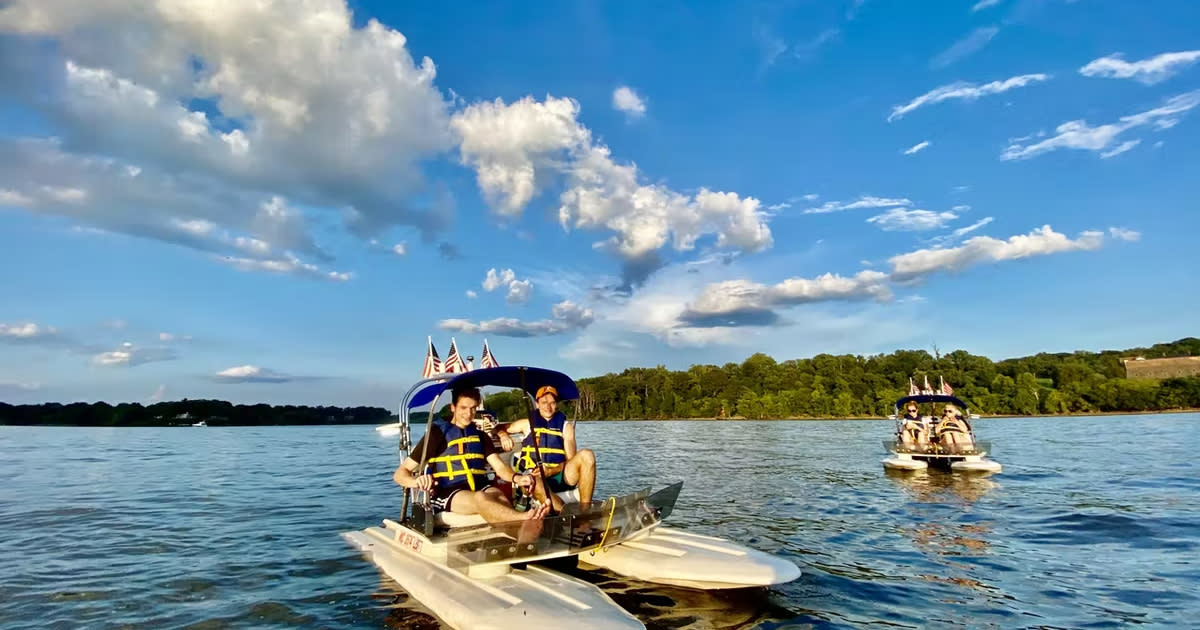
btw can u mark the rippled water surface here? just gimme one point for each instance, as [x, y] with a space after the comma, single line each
[1092, 524]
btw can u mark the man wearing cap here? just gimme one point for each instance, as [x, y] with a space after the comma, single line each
[550, 442]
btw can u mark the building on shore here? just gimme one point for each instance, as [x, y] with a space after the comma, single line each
[1143, 368]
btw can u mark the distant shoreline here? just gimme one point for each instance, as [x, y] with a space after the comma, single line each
[984, 417]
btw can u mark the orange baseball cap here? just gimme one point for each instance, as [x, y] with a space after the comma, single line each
[546, 389]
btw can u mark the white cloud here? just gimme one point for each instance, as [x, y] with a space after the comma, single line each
[917, 147]
[513, 148]
[517, 291]
[287, 265]
[1124, 234]
[1147, 71]
[27, 331]
[624, 99]
[983, 4]
[298, 105]
[254, 374]
[865, 201]
[1120, 148]
[400, 249]
[961, 90]
[13, 198]
[1077, 134]
[899, 219]
[779, 206]
[19, 386]
[961, 208]
[517, 149]
[745, 303]
[566, 316]
[471, 294]
[965, 47]
[129, 355]
[982, 249]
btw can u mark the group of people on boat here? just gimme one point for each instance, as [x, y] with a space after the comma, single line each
[458, 453]
[948, 433]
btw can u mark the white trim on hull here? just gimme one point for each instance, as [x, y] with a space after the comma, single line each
[903, 461]
[510, 598]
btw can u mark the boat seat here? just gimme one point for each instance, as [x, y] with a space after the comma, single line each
[452, 520]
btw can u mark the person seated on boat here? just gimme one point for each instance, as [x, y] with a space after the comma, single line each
[549, 446]
[457, 451]
[914, 433]
[953, 432]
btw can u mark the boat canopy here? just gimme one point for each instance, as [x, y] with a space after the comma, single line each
[931, 398]
[514, 376]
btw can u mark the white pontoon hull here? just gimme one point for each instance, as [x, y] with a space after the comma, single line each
[903, 461]
[679, 558]
[511, 598]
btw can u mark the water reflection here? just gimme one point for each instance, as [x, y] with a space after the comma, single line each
[934, 486]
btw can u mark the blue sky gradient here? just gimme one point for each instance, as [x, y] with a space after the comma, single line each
[280, 201]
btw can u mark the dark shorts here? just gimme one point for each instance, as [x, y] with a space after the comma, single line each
[558, 483]
[443, 499]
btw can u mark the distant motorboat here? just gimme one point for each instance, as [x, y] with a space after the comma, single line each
[916, 444]
[200, 424]
[388, 430]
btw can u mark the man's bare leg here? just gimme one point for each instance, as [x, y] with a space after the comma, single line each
[581, 472]
[544, 496]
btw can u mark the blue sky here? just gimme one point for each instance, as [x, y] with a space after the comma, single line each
[280, 201]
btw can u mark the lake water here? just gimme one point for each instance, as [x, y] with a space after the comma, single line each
[1094, 523]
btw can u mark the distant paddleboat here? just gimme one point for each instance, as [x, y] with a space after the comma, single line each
[942, 438]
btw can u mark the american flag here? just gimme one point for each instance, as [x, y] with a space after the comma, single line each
[489, 359]
[454, 363]
[946, 389]
[928, 389]
[433, 365]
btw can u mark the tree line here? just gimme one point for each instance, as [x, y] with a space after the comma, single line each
[844, 386]
[186, 412]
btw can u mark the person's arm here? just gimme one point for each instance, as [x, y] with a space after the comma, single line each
[516, 427]
[404, 476]
[569, 438]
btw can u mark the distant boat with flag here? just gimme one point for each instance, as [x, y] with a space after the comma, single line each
[454, 364]
[942, 438]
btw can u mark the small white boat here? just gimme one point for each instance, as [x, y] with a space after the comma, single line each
[388, 430]
[475, 575]
[909, 451]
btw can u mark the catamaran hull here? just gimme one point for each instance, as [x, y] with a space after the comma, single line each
[679, 558]
[515, 598]
[903, 462]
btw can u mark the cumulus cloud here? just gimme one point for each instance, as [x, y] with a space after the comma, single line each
[400, 249]
[985, 249]
[1077, 134]
[255, 374]
[961, 90]
[1147, 71]
[983, 4]
[624, 99]
[516, 291]
[471, 294]
[517, 149]
[129, 355]
[220, 113]
[865, 201]
[514, 148]
[916, 148]
[566, 316]
[899, 219]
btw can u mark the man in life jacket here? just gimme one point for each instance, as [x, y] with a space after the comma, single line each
[550, 442]
[457, 451]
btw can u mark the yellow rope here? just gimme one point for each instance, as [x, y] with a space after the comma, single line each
[607, 525]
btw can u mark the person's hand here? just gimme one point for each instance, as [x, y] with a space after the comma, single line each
[506, 441]
[524, 480]
[424, 483]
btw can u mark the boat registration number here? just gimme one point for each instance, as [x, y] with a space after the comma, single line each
[409, 540]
